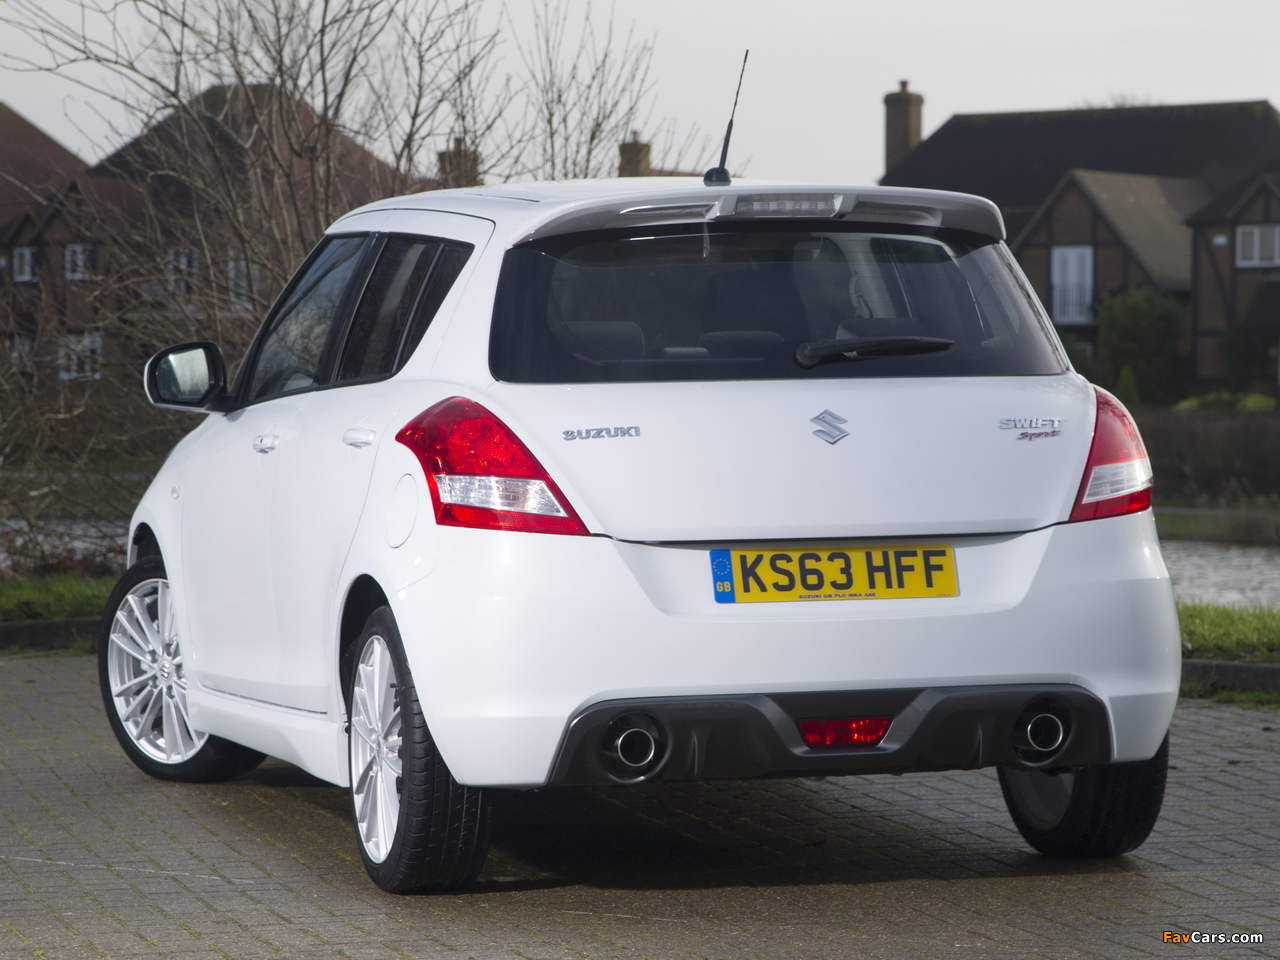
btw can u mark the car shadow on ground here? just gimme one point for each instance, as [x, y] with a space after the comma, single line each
[855, 830]
[704, 835]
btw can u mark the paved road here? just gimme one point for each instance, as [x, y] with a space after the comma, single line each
[96, 860]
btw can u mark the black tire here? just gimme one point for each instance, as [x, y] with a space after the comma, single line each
[189, 759]
[442, 827]
[1087, 812]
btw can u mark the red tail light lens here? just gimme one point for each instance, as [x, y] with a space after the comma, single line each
[481, 475]
[848, 732]
[1117, 478]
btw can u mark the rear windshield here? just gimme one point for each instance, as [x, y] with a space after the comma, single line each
[734, 302]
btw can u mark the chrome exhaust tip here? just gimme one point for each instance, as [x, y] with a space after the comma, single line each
[1041, 730]
[633, 747]
[1045, 732]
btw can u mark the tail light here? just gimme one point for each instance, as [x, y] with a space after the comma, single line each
[845, 732]
[481, 475]
[1117, 478]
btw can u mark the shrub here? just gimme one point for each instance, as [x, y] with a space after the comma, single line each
[1138, 329]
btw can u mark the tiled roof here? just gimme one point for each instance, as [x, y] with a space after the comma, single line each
[1017, 159]
[32, 164]
[1148, 213]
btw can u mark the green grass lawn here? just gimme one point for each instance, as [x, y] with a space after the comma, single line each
[1213, 632]
[53, 597]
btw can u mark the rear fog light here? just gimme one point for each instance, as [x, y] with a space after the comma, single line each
[844, 732]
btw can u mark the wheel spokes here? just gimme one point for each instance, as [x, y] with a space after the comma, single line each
[375, 749]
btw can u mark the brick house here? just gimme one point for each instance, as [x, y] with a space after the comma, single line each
[1096, 201]
[128, 248]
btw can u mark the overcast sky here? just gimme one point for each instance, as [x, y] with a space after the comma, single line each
[812, 102]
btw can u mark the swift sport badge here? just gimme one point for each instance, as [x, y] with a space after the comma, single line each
[829, 422]
[1033, 428]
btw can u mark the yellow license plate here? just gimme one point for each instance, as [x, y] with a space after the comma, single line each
[877, 572]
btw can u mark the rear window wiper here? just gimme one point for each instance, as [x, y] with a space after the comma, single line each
[867, 348]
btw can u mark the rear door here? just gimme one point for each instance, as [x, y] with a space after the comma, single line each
[323, 477]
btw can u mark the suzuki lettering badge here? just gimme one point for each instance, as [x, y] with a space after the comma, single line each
[830, 423]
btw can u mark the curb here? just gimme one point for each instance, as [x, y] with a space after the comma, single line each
[1215, 675]
[48, 634]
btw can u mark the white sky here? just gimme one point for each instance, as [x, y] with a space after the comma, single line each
[812, 104]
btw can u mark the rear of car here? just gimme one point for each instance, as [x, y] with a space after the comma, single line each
[777, 494]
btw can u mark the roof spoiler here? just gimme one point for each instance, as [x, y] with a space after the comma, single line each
[928, 208]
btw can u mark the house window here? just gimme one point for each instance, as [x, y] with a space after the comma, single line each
[1071, 277]
[20, 349]
[182, 264]
[80, 356]
[238, 281]
[1258, 245]
[24, 264]
[76, 260]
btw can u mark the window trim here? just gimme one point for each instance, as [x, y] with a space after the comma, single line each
[76, 259]
[1256, 230]
[27, 255]
[1087, 317]
[77, 369]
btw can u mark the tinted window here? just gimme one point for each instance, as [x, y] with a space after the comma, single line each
[384, 311]
[297, 348]
[734, 302]
[449, 263]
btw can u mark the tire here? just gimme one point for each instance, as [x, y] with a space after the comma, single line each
[144, 686]
[418, 829]
[1087, 812]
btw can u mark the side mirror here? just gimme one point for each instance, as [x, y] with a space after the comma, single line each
[190, 376]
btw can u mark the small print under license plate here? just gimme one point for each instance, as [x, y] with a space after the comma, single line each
[846, 572]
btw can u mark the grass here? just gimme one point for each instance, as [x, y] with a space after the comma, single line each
[1214, 632]
[53, 597]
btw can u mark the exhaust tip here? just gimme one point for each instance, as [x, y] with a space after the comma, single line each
[1045, 732]
[633, 747]
[1041, 731]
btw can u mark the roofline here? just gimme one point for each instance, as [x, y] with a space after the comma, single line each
[641, 201]
[1149, 107]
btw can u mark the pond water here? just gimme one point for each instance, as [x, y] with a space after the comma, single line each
[1223, 572]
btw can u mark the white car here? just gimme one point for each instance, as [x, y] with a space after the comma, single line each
[615, 481]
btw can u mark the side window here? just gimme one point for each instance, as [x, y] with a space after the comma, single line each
[295, 349]
[386, 306]
[449, 263]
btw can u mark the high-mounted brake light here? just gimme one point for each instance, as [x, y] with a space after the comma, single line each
[481, 475]
[786, 205]
[844, 732]
[1117, 478]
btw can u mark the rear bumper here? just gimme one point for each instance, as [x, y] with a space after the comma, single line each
[749, 737]
[515, 637]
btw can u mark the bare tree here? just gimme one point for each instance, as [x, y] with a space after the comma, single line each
[253, 124]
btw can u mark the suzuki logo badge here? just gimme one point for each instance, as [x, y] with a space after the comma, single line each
[830, 423]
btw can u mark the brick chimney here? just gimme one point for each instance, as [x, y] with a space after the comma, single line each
[458, 167]
[633, 157]
[901, 124]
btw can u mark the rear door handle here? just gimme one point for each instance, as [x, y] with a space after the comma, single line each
[359, 437]
[265, 443]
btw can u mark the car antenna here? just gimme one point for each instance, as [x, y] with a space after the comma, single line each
[719, 176]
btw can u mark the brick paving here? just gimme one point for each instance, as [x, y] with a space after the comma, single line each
[97, 860]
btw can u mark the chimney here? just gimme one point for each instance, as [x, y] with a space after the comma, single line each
[901, 124]
[458, 167]
[633, 157]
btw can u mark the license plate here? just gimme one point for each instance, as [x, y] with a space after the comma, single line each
[835, 573]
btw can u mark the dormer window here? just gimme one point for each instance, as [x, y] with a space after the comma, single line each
[77, 258]
[1258, 245]
[24, 264]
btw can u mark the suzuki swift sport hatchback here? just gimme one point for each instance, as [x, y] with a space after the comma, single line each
[620, 481]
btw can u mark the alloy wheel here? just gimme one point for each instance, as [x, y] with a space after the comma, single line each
[375, 749]
[147, 677]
